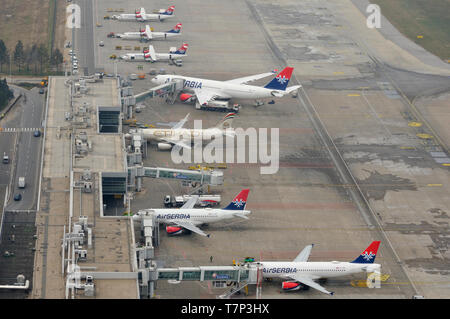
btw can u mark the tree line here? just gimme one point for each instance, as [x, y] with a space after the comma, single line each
[34, 59]
[5, 94]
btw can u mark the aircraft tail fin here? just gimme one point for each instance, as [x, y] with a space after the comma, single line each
[368, 255]
[281, 81]
[182, 49]
[226, 122]
[239, 201]
[169, 10]
[176, 29]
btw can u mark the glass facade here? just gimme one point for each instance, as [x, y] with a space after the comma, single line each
[169, 275]
[191, 275]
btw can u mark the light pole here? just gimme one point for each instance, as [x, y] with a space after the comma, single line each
[10, 76]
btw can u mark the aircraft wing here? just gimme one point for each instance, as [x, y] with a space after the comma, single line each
[191, 202]
[179, 143]
[250, 78]
[204, 96]
[190, 226]
[304, 254]
[306, 280]
[181, 123]
[148, 32]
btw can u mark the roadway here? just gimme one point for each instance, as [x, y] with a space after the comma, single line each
[18, 228]
[84, 39]
[24, 147]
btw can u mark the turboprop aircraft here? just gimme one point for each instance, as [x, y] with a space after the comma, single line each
[141, 16]
[147, 34]
[151, 56]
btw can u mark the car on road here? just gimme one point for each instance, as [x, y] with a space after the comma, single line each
[41, 91]
[101, 43]
[18, 197]
[5, 158]
[37, 133]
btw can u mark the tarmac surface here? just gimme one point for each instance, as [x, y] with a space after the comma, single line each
[363, 149]
[343, 144]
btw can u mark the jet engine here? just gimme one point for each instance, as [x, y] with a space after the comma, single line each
[176, 230]
[164, 146]
[184, 97]
[293, 286]
[173, 230]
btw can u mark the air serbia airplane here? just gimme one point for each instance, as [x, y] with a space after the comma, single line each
[147, 34]
[188, 218]
[207, 90]
[151, 56]
[183, 137]
[302, 272]
[141, 16]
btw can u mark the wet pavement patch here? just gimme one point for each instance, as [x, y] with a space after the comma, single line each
[376, 185]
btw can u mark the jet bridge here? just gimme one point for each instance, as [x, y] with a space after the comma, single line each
[188, 177]
[221, 276]
[169, 89]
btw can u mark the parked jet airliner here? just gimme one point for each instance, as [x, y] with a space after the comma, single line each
[301, 272]
[183, 137]
[188, 218]
[205, 91]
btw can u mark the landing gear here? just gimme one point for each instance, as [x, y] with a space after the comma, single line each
[258, 103]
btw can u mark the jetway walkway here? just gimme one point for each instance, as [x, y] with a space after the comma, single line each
[208, 273]
[189, 177]
[222, 276]
[169, 90]
[166, 89]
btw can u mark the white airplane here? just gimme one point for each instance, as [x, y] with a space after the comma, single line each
[147, 34]
[303, 273]
[183, 137]
[205, 91]
[188, 218]
[151, 56]
[141, 16]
